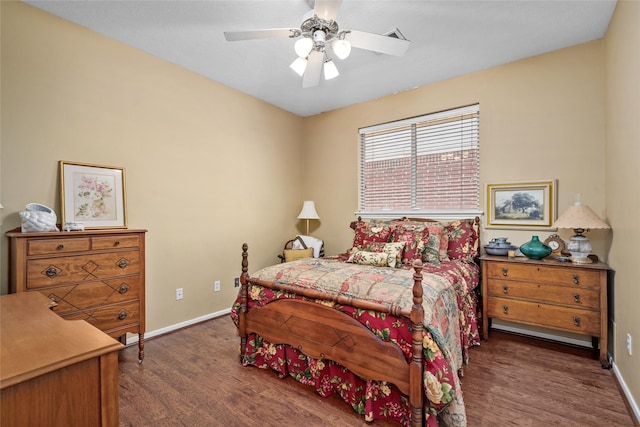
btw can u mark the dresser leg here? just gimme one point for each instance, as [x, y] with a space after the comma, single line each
[140, 348]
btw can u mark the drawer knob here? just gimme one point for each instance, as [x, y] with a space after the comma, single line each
[123, 263]
[122, 315]
[576, 279]
[505, 309]
[60, 246]
[505, 288]
[576, 320]
[123, 289]
[504, 271]
[116, 243]
[576, 297]
[51, 272]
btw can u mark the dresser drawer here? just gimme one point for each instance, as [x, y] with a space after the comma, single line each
[92, 294]
[539, 273]
[564, 318]
[565, 295]
[74, 269]
[110, 317]
[58, 246]
[115, 242]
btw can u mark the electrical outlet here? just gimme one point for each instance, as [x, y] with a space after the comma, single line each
[236, 282]
[178, 294]
[629, 342]
[216, 286]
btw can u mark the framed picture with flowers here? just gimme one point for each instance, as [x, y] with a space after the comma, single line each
[93, 195]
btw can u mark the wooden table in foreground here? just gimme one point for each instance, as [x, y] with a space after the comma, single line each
[558, 295]
[54, 372]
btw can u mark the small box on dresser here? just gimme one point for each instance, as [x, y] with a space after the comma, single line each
[96, 275]
[547, 293]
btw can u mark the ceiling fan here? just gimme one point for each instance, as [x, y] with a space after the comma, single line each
[318, 33]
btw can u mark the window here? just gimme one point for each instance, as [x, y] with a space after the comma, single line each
[423, 165]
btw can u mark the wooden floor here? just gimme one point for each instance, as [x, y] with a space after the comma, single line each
[193, 377]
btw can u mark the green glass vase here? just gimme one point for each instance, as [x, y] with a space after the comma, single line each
[535, 249]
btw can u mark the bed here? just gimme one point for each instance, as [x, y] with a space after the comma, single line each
[387, 325]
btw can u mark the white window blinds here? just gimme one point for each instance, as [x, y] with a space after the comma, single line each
[427, 164]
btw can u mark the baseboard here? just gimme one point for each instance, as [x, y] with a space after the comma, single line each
[538, 334]
[133, 338]
[627, 394]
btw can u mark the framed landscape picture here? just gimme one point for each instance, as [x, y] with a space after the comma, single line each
[522, 204]
[93, 195]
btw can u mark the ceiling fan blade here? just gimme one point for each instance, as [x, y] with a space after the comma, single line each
[327, 9]
[377, 42]
[271, 33]
[314, 69]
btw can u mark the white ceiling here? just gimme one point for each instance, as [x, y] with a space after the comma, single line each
[448, 39]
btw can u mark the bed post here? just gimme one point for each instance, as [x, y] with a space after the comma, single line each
[416, 395]
[243, 302]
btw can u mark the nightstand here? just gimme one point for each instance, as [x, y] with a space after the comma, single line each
[547, 293]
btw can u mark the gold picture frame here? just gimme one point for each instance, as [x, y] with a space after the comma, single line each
[519, 205]
[93, 195]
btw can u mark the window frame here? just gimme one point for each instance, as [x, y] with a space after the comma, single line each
[439, 214]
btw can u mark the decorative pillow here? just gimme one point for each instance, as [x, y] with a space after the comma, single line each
[435, 248]
[365, 233]
[462, 239]
[377, 259]
[294, 254]
[441, 241]
[395, 249]
[414, 239]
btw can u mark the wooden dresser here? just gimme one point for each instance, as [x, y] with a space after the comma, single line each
[97, 276]
[547, 293]
[54, 372]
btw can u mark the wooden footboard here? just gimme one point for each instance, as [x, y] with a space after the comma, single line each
[323, 332]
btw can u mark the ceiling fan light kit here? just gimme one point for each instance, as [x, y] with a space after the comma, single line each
[330, 70]
[341, 48]
[303, 47]
[299, 65]
[319, 28]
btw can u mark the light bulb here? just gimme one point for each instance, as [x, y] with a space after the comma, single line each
[341, 48]
[299, 65]
[303, 47]
[330, 70]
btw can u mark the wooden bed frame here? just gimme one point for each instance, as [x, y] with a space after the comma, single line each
[305, 325]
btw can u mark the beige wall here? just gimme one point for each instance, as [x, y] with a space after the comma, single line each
[195, 171]
[541, 118]
[622, 88]
[199, 157]
[538, 116]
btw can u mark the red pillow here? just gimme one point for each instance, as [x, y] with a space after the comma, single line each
[366, 234]
[462, 239]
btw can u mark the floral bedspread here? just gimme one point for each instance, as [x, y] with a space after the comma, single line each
[450, 328]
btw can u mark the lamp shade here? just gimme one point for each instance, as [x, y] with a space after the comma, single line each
[580, 216]
[299, 65]
[330, 70]
[342, 48]
[308, 211]
[303, 47]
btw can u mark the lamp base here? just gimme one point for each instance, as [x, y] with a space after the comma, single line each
[581, 260]
[579, 247]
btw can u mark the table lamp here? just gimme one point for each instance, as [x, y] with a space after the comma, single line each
[580, 218]
[308, 212]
